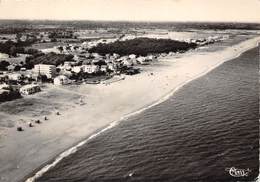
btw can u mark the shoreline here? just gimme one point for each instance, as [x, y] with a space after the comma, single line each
[114, 123]
[159, 96]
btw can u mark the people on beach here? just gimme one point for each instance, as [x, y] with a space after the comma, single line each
[30, 124]
[37, 121]
[19, 128]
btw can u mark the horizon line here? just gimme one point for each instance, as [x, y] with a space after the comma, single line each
[130, 21]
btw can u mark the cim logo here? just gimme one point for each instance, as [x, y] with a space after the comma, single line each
[238, 172]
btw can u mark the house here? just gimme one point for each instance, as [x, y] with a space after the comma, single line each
[61, 80]
[98, 61]
[116, 55]
[11, 67]
[151, 58]
[76, 69]
[15, 76]
[108, 60]
[96, 55]
[76, 57]
[29, 89]
[4, 86]
[69, 63]
[86, 61]
[132, 56]
[66, 73]
[127, 62]
[90, 68]
[141, 60]
[111, 66]
[45, 69]
[103, 68]
[23, 69]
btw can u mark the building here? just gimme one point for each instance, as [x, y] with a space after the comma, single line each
[127, 62]
[151, 58]
[11, 67]
[76, 69]
[30, 89]
[132, 56]
[61, 80]
[69, 63]
[45, 69]
[14, 76]
[103, 68]
[90, 69]
[4, 86]
[111, 66]
[141, 60]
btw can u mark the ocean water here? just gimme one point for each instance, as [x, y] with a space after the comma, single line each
[207, 127]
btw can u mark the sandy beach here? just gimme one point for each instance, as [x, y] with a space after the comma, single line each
[23, 152]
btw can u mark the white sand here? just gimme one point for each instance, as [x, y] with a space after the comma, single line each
[22, 152]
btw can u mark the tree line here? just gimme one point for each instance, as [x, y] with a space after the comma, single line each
[142, 46]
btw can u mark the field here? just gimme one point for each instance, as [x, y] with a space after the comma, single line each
[37, 106]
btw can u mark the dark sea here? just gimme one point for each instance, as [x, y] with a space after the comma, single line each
[207, 127]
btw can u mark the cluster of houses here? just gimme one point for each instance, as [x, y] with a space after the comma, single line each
[83, 63]
[208, 40]
[26, 80]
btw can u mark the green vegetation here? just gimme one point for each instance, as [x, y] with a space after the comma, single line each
[143, 46]
[50, 58]
[3, 65]
[13, 48]
[8, 95]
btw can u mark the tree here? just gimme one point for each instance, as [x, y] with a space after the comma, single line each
[68, 48]
[18, 37]
[60, 48]
[17, 68]
[53, 40]
[3, 65]
[13, 51]
[58, 70]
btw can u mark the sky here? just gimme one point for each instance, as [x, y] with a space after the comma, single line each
[133, 10]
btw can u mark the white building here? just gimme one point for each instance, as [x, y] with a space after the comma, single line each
[103, 68]
[69, 63]
[30, 89]
[116, 55]
[132, 56]
[96, 55]
[14, 76]
[141, 60]
[90, 68]
[111, 66]
[127, 62]
[76, 69]
[3, 86]
[45, 69]
[151, 58]
[61, 80]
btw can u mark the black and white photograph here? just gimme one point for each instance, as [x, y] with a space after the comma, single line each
[129, 90]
